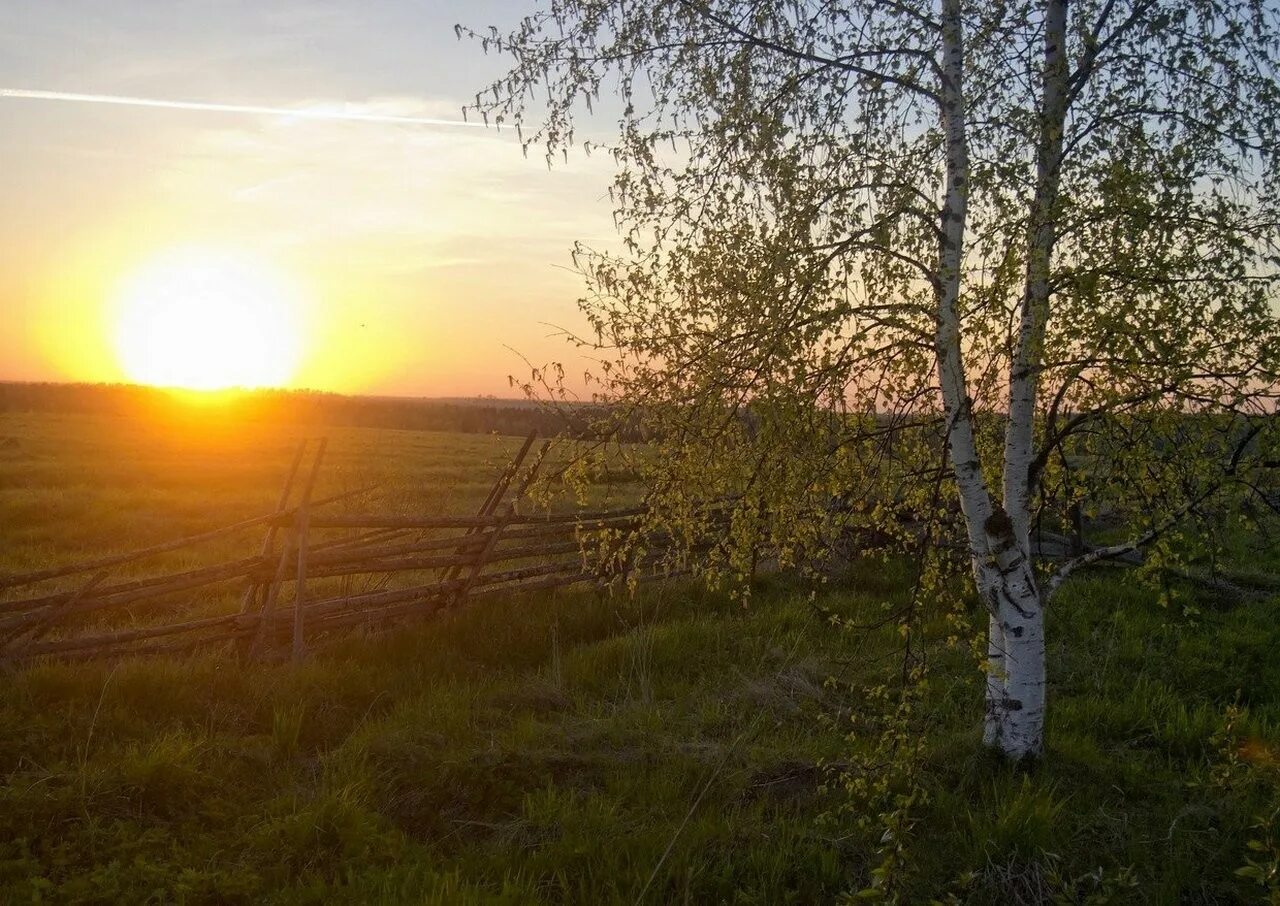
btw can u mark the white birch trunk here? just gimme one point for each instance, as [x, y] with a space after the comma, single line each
[1001, 563]
[1016, 685]
[1024, 370]
[1016, 666]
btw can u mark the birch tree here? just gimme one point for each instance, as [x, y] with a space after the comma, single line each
[1031, 242]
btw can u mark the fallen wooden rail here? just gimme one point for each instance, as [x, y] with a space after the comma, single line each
[301, 584]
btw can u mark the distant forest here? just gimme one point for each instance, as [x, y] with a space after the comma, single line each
[473, 416]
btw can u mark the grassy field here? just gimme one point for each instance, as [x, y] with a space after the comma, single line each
[74, 487]
[573, 748]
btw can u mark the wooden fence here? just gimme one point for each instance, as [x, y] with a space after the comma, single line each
[304, 581]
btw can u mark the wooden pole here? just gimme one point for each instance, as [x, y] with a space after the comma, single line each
[282, 518]
[504, 480]
[300, 592]
[411, 563]
[269, 542]
[141, 589]
[495, 496]
[120, 559]
[38, 624]
[325, 615]
[533, 471]
[273, 592]
[124, 636]
[482, 557]
[378, 536]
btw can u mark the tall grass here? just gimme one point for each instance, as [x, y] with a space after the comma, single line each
[573, 748]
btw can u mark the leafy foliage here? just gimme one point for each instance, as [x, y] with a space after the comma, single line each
[1029, 245]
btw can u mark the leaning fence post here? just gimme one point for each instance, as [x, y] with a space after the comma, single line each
[304, 518]
[493, 499]
[266, 618]
[483, 555]
[269, 542]
[40, 623]
[253, 587]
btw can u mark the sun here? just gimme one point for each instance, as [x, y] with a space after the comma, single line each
[208, 319]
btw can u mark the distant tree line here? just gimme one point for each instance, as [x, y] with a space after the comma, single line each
[305, 407]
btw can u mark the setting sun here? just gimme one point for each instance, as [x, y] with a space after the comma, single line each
[207, 319]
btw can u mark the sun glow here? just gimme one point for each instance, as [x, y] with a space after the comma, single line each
[206, 319]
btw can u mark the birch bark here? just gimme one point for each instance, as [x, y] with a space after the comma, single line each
[1016, 678]
[998, 536]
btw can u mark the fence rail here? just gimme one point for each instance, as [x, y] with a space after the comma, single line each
[497, 550]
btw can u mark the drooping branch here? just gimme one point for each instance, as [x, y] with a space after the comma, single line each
[1114, 551]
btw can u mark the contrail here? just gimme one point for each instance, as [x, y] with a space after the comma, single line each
[308, 114]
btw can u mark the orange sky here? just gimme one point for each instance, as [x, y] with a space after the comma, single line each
[417, 257]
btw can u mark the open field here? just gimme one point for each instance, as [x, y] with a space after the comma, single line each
[74, 487]
[573, 748]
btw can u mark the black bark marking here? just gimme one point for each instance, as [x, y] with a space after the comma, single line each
[1003, 704]
[999, 525]
[1013, 565]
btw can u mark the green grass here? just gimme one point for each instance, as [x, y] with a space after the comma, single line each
[571, 748]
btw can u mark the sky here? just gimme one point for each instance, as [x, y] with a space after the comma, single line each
[420, 259]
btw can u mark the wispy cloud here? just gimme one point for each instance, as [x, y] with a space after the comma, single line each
[327, 112]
